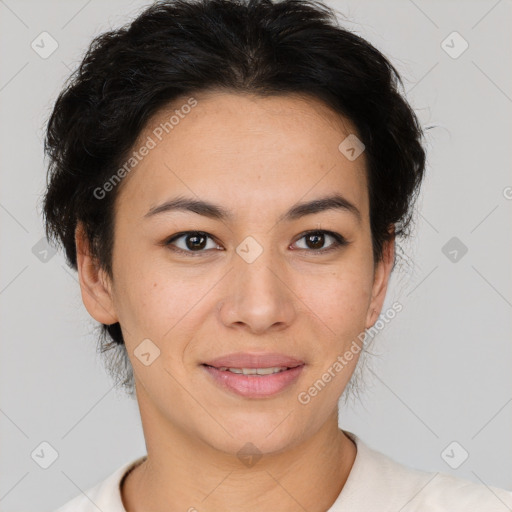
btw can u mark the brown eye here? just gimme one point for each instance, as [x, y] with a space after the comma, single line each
[315, 241]
[194, 241]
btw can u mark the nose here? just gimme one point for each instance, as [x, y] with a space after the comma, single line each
[259, 295]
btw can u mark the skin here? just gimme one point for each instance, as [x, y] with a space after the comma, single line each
[256, 157]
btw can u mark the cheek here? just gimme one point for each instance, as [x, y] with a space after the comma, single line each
[143, 298]
[162, 302]
[341, 297]
[153, 307]
[154, 299]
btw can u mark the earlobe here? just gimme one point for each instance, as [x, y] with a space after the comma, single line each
[381, 280]
[94, 284]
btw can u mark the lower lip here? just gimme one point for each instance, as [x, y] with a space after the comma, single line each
[254, 386]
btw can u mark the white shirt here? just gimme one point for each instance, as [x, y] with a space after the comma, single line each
[376, 483]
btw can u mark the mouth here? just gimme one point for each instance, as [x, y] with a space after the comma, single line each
[259, 382]
[253, 371]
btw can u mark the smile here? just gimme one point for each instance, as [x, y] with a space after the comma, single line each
[254, 382]
[254, 371]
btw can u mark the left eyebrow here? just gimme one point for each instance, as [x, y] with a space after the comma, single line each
[217, 212]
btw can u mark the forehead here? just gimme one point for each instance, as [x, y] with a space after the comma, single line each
[276, 149]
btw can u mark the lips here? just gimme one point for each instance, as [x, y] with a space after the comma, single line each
[251, 375]
[254, 360]
[254, 386]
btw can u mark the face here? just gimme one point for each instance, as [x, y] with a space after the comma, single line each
[256, 281]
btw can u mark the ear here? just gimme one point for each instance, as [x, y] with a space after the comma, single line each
[381, 280]
[94, 283]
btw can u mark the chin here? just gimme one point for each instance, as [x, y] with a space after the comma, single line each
[267, 432]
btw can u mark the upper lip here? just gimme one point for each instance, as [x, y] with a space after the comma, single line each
[248, 360]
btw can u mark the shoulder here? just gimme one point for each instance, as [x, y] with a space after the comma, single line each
[450, 493]
[104, 496]
[378, 482]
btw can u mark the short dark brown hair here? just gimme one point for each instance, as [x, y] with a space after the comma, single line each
[177, 48]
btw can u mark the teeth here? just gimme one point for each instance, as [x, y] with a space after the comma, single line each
[255, 371]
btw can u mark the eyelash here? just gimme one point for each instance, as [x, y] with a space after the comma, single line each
[339, 242]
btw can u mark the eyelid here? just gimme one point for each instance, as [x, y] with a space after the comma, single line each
[169, 241]
[339, 241]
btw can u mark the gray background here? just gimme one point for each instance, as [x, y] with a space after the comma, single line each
[443, 373]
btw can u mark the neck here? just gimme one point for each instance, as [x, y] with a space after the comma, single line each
[183, 473]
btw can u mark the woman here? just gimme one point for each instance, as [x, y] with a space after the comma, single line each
[229, 179]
